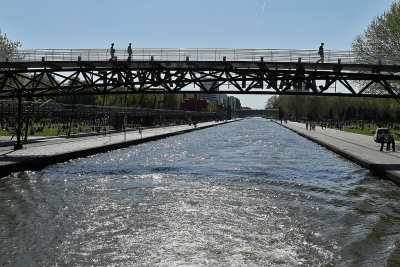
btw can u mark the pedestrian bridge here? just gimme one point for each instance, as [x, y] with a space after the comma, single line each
[255, 112]
[52, 72]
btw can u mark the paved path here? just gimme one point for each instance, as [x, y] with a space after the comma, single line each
[41, 151]
[361, 149]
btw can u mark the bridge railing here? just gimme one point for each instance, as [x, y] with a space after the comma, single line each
[178, 54]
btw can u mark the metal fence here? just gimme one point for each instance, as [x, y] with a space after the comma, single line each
[180, 54]
[50, 108]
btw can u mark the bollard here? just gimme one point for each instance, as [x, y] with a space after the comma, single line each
[115, 58]
[43, 59]
[379, 62]
[79, 58]
[339, 61]
[224, 58]
[262, 59]
[187, 59]
[299, 60]
[6, 59]
[152, 58]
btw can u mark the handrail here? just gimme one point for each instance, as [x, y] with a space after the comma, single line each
[180, 54]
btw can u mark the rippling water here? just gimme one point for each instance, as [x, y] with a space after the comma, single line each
[249, 193]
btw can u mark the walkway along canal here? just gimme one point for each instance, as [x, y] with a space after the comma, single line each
[358, 148]
[41, 152]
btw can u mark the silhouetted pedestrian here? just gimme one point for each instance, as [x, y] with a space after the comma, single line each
[129, 51]
[112, 52]
[390, 141]
[321, 53]
[384, 140]
[393, 144]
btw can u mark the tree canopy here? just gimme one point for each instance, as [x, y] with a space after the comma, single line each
[336, 108]
[7, 47]
[381, 40]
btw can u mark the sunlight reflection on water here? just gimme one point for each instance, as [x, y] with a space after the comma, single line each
[248, 193]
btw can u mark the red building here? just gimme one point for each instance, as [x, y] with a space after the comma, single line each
[194, 105]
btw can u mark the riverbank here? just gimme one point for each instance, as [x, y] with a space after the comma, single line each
[358, 148]
[40, 152]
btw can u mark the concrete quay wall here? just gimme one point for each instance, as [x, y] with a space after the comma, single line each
[48, 151]
[360, 149]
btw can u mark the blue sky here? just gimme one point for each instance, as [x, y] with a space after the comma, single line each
[278, 24]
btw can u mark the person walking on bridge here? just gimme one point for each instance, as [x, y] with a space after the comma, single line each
[112, 51]
[321, 53]
[129, 51]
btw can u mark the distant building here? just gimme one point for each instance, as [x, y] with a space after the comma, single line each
[193, 104]
[222, 100]
[216, 98]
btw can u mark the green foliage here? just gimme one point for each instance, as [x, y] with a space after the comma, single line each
[238, 104]
[212, 107]
[338, 108]
[272, 102]
[370, 131]
[7, 47]
[173, 102]
[381, 39]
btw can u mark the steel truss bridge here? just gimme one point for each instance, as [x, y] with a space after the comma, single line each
[255, 112]
[36, 73]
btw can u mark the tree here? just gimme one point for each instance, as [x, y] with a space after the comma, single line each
[381, 40]
[272, 102]
[7, 47]
[238, 104]
[173, 102]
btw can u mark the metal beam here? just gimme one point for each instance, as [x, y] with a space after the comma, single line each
[173, 77]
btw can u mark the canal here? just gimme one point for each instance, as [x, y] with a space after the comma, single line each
[248, 193]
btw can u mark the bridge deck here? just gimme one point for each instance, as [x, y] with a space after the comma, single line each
[203, 65]
[180, 54]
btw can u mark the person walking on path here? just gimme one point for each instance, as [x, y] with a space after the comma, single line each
[129, 51]
[390, 141]
[393, 145]
[385, 139]
[321, 53]
[112, 52]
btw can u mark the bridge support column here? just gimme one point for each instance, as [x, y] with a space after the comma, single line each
[18, 145]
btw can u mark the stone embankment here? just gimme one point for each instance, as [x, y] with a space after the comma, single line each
[358, 148]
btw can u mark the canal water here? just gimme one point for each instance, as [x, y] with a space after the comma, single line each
[249, 193]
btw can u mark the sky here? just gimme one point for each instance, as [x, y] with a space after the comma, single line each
[267, 24]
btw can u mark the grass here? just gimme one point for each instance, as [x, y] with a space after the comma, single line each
[370, 131]
[52, 131]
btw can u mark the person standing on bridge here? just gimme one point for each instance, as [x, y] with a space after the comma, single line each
[112, 52]
[129, 51]
[321, 53]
